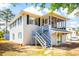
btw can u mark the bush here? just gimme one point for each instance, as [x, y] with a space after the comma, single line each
[1, 34]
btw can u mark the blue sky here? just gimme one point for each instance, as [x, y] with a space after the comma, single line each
[21, 6]
[73, 22]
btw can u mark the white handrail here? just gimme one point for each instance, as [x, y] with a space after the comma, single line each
[46, 38]
[40, 39]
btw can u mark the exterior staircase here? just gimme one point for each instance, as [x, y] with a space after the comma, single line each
[42, 36]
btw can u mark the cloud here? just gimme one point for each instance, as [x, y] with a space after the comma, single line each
[4, 6]
[61, 11]
[72, 23]
[36, 10]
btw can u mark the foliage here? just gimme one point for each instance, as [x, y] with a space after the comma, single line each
[54, 6]
[77, 28]
[6, 15]
[1, 34]
[77, 13]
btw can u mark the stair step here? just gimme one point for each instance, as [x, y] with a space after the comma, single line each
[42, 36]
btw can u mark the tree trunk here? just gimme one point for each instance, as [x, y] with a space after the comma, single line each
[6, 27]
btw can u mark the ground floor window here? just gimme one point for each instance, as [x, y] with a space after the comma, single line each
[20, 35]
[13, 36]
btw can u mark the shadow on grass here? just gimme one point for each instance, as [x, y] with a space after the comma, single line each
[69, 46]
[4, 47]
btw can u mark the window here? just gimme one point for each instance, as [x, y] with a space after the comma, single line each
[31, 20]
[52, 23]
[13, 37]
[20, 35]
[46, 21]
[42, 22]
[38, 21]
[49, 19]
[20, 20]
[10, 26]
[27, 19]
[16, 22]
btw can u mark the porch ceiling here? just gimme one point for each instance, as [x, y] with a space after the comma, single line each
[65, 32]
[55, 15]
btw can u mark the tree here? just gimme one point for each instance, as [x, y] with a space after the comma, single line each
[1, 34]
[6, 15]
[77, 13]
[53, 6]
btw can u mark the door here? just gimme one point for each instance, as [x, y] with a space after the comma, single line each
[59, 40]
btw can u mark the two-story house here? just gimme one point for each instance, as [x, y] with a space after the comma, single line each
[31, 28]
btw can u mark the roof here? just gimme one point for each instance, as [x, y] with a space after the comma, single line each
[45, 12]
[34, 11]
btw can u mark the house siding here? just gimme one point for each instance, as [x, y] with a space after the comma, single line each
[27, 29]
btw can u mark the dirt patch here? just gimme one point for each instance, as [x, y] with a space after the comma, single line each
[13, 49]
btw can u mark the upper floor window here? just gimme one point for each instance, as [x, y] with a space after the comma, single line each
[20, 20]
[58, 24]
[37, 21]
[16, 22]
[31, 20]
[27, 19]
[10, 26]
[42, 22]
[46, 21]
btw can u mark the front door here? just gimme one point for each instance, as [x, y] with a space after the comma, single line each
[59, 40]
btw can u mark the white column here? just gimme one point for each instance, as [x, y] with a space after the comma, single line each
[40, 22]
[50, 20]
[65, 23]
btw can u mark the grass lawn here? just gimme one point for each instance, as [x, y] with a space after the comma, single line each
[8, 48]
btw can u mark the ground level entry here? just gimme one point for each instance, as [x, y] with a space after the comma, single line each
[58, 38]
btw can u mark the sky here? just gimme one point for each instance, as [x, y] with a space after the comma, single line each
[73, 22]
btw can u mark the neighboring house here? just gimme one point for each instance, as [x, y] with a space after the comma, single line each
[73, 33]
[37, 28]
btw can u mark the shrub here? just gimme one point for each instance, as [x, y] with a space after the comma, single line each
[1, 34]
